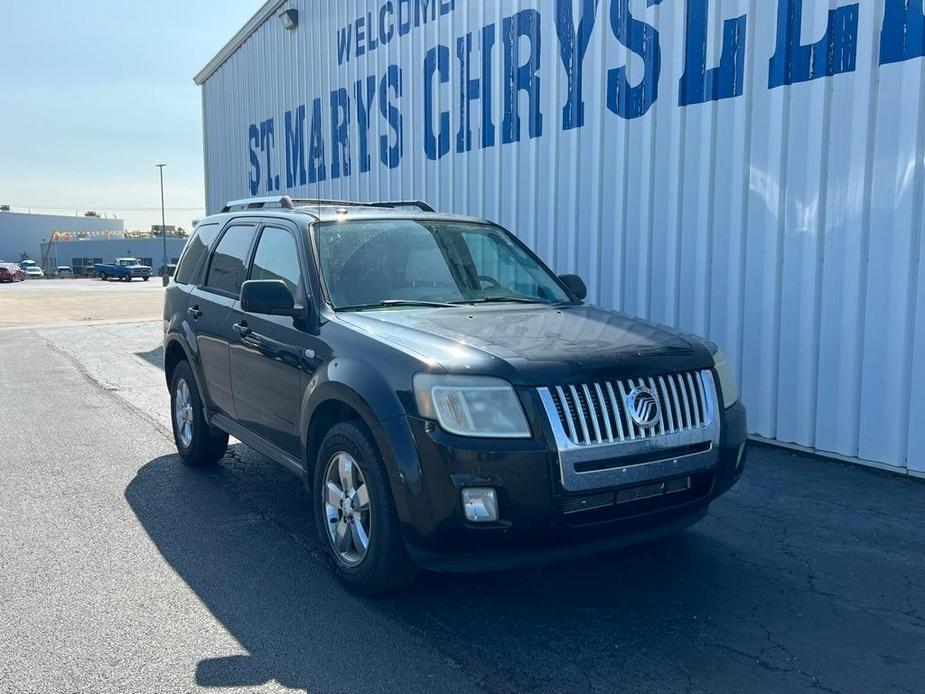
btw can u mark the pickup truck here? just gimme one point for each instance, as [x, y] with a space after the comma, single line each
[122, 269]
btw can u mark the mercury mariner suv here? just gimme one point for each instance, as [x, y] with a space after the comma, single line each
[450, 402]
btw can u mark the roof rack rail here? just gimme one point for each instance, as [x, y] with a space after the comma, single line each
[390, 204]
[287, 203]
[283, 201]
[420, 204]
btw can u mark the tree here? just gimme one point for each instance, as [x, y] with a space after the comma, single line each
[4, 208]
[91, 213]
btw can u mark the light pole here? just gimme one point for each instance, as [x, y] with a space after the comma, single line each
[165, 279]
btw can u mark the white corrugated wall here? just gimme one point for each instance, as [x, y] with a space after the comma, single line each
[784, 223]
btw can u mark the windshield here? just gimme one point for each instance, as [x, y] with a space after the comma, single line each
[373, 263]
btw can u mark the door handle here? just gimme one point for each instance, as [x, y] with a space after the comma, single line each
[241, 329]
[194, 312]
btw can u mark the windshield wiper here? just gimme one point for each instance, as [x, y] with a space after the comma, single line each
[392, 303]
[505, 299]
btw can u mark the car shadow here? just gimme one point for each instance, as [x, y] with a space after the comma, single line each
[155, 357]
[241, 536]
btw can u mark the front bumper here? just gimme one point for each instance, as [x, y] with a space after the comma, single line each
[539, 521]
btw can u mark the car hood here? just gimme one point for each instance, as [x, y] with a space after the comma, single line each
[535, 344]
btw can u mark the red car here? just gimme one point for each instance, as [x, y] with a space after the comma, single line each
[10, 273]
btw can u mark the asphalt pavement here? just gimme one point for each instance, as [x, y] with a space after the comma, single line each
[121, 570]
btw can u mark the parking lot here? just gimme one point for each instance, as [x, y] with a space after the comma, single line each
[76, 301]
[122, 570]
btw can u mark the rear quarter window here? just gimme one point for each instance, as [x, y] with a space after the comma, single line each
[189, 270]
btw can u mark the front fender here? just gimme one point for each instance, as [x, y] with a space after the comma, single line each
[369, 394]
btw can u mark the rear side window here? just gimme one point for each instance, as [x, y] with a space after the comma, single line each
[194, 257]
[226, 272]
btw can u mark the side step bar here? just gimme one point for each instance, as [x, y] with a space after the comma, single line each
[258, 443]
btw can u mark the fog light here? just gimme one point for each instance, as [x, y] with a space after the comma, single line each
[480, 505]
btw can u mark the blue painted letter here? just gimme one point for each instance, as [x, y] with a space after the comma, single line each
[253, 144]
[903, 33]
[295, 148]
[391, 155]
[475, 89]
[436, 62]
[267, 145]
[340, 133]
[833, 54]
[364, 104]
[572, 49]
[521, 77]
[625, 100]
[724, 82]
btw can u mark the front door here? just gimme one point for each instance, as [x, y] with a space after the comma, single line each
[272, 355]
[209, 309]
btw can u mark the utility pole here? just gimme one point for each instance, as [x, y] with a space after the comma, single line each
[165, 279]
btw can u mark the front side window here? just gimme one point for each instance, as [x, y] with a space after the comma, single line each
[366, 263]
[277, 258]
[227, 269]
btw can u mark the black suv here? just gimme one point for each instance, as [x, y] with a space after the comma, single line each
[451, 403]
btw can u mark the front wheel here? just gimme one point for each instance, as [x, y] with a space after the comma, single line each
[356, 514]
[197, 443]
[103, 276]
[145, 279]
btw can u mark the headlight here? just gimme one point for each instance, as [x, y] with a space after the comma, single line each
[727, 383]
[471, 405]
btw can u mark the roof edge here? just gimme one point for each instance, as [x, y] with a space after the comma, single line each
[254, 23]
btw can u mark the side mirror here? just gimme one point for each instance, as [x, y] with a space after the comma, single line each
[268, 297]
[575, 285]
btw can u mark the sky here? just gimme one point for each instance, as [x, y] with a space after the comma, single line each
[95, 93]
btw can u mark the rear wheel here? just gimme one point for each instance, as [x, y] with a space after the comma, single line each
[356, 514]
[103, 276]
[197, 443]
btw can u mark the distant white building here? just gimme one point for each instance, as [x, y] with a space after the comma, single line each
[22, 235]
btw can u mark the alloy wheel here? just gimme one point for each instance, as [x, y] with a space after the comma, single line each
[183, 413]
[346, 508]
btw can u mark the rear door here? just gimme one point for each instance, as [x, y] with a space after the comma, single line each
[209, 309]
[272, 355]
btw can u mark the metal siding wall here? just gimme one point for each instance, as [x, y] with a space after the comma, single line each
[785, 224]
[24, 233]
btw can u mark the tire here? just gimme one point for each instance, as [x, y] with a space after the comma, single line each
[103, 276]
[384, 564]
[198, 446]
[145, 279]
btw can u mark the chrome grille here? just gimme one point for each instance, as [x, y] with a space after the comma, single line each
[594, 414]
